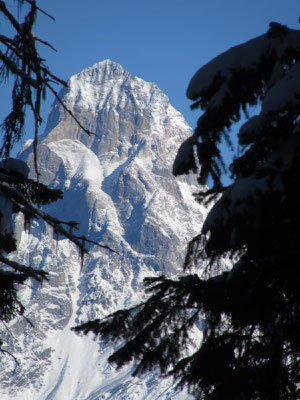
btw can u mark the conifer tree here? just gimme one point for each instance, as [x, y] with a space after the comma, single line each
[250, 347]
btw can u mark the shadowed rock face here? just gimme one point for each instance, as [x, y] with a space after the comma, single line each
[118, 185]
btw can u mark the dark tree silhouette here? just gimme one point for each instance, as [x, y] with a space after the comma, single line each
[250, 347]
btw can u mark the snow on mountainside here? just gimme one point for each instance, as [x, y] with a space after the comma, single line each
[118, 185]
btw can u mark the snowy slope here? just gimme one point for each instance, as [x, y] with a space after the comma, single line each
[118, 185]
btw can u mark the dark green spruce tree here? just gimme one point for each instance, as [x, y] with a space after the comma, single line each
[250, 348]
[21, 62]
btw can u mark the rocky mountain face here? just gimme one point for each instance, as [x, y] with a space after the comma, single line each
[118, 185]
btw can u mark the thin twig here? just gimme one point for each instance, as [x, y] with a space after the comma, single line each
[45, 43]
[12, 356]
[11, 18]
[69, 111]
[97, 244]
[11, 44]
[33, 4]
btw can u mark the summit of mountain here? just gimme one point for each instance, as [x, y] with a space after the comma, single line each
[118, 185]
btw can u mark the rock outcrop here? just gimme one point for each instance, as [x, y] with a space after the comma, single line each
[118, 185]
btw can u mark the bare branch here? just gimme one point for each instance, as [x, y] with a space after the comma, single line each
[69, 111]
[97, 244]
[29, 271]
[11, 355]
[5, 40]
[11, 18]
[45, 43]
[33, 4]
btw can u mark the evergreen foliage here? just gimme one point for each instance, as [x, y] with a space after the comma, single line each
[250, 347]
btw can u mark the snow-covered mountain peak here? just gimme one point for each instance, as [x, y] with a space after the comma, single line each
[99, 74]
[108, 85]
[118, 185]
[127, 115]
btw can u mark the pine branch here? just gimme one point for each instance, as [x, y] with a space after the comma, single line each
[22, 52]
[13, 67]
[28, 271]
[27, 208]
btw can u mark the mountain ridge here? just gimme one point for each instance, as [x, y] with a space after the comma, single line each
[119, 186]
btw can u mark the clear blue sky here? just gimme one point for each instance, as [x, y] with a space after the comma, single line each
[163, 41]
